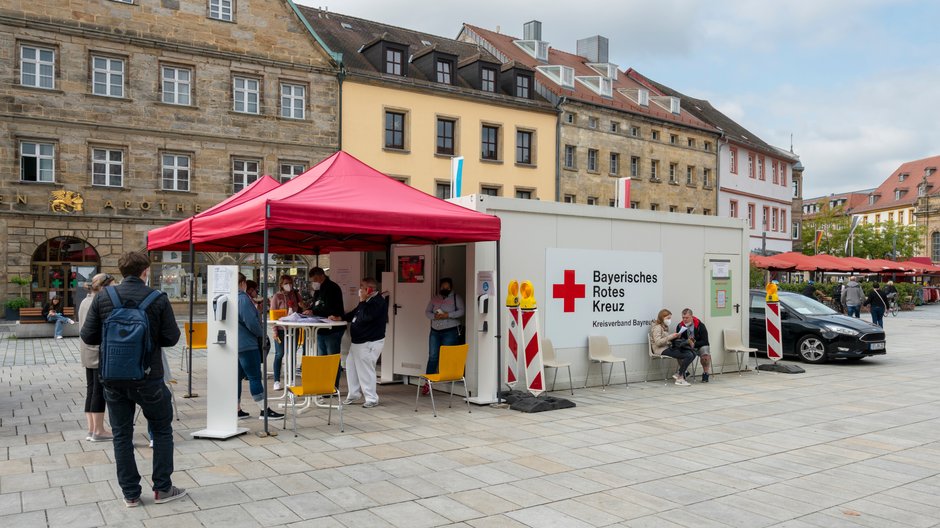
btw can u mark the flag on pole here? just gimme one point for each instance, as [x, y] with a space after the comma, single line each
[819, 234]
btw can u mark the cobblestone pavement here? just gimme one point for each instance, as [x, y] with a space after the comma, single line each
[841, 445]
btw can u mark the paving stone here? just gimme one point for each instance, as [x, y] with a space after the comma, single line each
[75, 516]
[409, 515]
[230, 517]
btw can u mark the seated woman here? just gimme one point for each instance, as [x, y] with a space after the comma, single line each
[663, 342]
[52, 312]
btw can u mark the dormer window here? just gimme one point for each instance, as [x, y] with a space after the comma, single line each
[606, 69]
[444, 69]
[640, 96]
[872, 199]
[903, 176]
[561, 75]
[488, 79]
[899, 193]
[669, 103]
[394, 59]
[600, 85]
[523, 86]
[535, 48]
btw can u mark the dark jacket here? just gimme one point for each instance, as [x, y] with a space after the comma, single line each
[699, 334]
[249, 324]
[47, 307]
[327, 301]
[367, 320]
[876, 298]
[163, 328]
[810, 291]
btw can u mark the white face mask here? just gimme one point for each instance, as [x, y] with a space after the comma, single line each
[667, 321]
[286, 287]
[315, 286]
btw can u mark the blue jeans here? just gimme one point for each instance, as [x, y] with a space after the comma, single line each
[249, 366]
[328, 342]
[155, 401]
[278, 352]
[853, 311]
[59, 320]
[437, 339]
[878, 315]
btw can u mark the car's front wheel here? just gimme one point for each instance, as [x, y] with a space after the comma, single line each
[812, 349]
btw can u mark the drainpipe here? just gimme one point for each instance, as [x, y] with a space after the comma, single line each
[340, 77]
[718, 174]
[558, 112]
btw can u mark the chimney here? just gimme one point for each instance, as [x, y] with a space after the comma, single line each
[532, 30]
[594, 49]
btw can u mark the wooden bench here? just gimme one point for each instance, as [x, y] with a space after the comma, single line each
[33, 324]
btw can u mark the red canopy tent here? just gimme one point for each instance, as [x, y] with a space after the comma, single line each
[341, 203]
[920, 267]
[772, 263]
[804, 262]
[177, 236]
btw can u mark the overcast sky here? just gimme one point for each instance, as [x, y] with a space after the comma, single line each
[854, 81]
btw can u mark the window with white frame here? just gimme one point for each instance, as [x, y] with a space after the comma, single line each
[37, 162]
[614, 163]
[592, 122]
[751, 216]
[569, 198]
[592, 200]
[107, 167]
[176, 169]
[765, 218]
[289, 170]
[107, 76]
[176, 84]
[244, 173]
[706, 177]
[222, 10]
[750, 165]
[523, 83]
[733, 209]
[488, 79]
[569, 156]
[634, 166]
[444, 71]
[795, 231]
[592, 160]
[293, 100]
[614, 126]
[394, 61]
[673, 169]
[760, 168]
[690, 175]
[37, 67]
[635, 131]
[654, 169]
[246, 95]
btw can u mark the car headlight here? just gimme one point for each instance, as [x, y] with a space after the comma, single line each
[841, 330]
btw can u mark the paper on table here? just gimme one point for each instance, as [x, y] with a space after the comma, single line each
[298, 317]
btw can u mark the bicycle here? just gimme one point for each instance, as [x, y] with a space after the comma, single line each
[893, 306]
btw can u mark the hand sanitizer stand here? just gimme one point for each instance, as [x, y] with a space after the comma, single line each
[222, 355]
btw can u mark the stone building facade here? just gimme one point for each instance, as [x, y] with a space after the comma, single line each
[614, 124]
[120, 116]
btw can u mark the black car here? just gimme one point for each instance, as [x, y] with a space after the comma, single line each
[814, 332]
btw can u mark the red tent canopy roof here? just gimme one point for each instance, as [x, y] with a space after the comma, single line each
[772, 263]
[176, 236]
[342, 204]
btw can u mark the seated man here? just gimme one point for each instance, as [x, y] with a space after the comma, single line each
[694, 330]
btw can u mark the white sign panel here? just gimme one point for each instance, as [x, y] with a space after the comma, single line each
[596, 292]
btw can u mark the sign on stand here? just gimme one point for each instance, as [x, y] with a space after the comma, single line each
[222, 355]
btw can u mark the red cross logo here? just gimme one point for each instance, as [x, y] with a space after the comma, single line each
[568, 290]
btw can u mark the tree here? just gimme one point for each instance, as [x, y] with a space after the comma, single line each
[879, 241]
[834, 224]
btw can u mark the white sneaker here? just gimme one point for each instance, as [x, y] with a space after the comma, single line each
[59, 337]
[151, 444]
[277, 385]
[682, 383]
[71, 321]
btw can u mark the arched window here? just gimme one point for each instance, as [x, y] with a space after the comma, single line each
[935, 246]
[62, 266]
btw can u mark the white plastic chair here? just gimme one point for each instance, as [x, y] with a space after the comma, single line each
[734, 345]
[549, 360]
[662, 361]
[599, 352]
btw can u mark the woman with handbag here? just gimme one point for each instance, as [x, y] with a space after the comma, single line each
[879, 305]
[671, 344]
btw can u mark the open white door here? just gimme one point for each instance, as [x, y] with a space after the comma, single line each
[413, 267]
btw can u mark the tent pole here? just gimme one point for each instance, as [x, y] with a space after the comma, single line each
[499, 318]
[192, 301]
[264, 327]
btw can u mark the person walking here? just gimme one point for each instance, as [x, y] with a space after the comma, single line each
[151, 393]
[367, 330]
[444, 310]
[852, 297]
[876, 299]
[94, 391]
[52, 312]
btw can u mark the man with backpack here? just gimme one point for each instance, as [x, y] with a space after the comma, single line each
[131, 322]
[852, 297]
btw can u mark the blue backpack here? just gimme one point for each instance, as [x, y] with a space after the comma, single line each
[126, 343]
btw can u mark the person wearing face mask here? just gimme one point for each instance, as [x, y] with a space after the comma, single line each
[327, 300]
[367, 329]
[285, 299]
[444, 310]
[663, 344]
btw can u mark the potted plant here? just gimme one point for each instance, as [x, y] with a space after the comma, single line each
[13, 305]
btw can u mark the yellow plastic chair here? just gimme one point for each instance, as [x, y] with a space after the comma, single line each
[198, 340]
[317, 378]
[451, 366]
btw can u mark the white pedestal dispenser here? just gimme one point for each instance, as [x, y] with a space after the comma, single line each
[222, 355]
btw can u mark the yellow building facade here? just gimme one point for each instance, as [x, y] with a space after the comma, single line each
[418, 164]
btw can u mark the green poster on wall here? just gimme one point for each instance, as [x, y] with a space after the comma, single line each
[720, 289]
